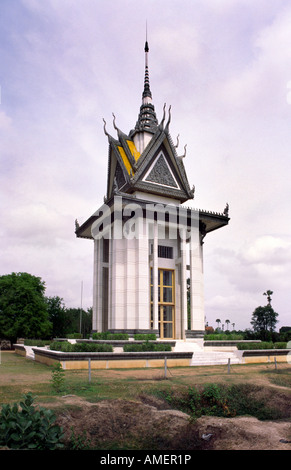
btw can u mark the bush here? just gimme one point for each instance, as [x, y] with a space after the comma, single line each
[91, 347]
[58, 378]
[145, 337]
[280, 345]
[24, 426]
[119, 336]
[223, 337]
[261, 345]
[97, 336]
[110, 336]
[223, 400]
[37, 342]
[144, 347]
[65, 346]
[74, 336]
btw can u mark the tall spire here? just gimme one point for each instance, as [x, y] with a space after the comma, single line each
[146, 91]
[147, 120]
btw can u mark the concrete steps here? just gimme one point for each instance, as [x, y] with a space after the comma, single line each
[203, 357]
[29, 352]
[208, 358]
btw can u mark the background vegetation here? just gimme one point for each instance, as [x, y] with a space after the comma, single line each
[26, 312]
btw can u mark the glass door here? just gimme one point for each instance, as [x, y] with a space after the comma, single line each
[166, 300]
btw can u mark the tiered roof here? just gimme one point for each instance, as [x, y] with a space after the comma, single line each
[145, 162]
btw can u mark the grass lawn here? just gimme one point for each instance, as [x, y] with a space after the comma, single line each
[127, 408]
[19, 375]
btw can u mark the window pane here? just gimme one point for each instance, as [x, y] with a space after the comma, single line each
[167, 278]
[167, 294]
[168, 330]
[105, 250]
[165, 252]
[168, 313]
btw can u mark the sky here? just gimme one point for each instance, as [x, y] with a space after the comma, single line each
[224, 66]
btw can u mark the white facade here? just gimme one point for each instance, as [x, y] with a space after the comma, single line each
[126, 294]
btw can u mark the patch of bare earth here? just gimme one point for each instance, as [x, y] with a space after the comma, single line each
[146, 424]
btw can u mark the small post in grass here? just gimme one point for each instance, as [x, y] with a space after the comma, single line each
[228, 366]
[275, 360]
[89, 369]
[165, 367]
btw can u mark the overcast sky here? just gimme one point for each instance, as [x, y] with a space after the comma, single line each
[225, 68]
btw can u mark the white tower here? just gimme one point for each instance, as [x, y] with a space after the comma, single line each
[148, 248]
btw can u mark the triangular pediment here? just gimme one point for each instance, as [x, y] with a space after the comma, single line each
[160, 173]
[160, 170]
[156, 170]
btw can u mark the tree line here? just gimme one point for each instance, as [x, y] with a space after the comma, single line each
[263, 321]
[26, 312]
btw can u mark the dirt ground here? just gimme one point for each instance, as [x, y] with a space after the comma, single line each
[156, 427]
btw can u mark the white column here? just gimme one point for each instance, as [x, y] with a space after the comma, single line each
[183, 286]
[97, 287]
[196, 283]
[118, 280]
[95, 280]
[142, 306]
[155, 277]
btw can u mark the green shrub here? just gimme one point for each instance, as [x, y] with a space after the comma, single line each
[223, 400]
[144, 347]
[65, 346]
[74, 336]
[261, 345]
[91, 347]
[280, 345]
[25, 426]
[97, 336]
[119, 336]
[145, 337]
[223, 337]
[110, 336]
[37, 342]
[58, 378]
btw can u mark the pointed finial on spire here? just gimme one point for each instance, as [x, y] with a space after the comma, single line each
[146, 47]
[147, 119]
[146, 91]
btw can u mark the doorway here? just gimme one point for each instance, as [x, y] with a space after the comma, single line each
[166, 303]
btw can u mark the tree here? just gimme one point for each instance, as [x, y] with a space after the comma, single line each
[218, 321]
[227, 322]
[75, 316]
[23, 309]
[57, 315]
[268, 293]
[264, 319]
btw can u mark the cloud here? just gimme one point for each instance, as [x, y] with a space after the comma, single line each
[5, 121]
[268, 250]
[242, 275]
